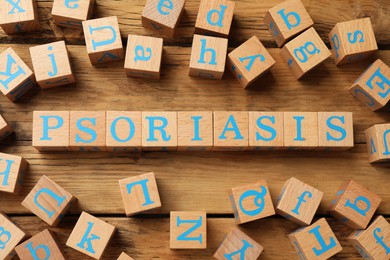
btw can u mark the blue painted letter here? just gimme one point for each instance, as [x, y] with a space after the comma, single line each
[33, 251]
[161, 128]
[379, 240]
[285, 18]
[8, 73]
[88, 239]
[131, 129]
[213, 59]
[381, 84]
[46, 127]
[355, 206]
[258, 200]
[240, 252]
[87, 130]
[324, 247]
[50, 193]
[336, 128]
[96, 44]
[220, 15]
[301, 199]
[234, 127]
[185, 235]
[145, 190]
[267, 128]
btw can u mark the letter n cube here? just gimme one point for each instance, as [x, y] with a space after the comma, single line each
[378, 143]
[12, 170]
[11, 235]
[5, 128]
[71, 13]
[17, 16]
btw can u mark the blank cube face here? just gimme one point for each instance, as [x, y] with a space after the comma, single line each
[140, 193]
[124, 256]
[353, 41]
[378, 143]
[335, 130]
[266, 130]
[188, 230]
[301, 129]
[208, 57]
[71, 13]
[12, 171]
[18, 16]
[305, 52]
[91, 236]
[5, 128]
[11, 236]
[286, 20]
[143, 57]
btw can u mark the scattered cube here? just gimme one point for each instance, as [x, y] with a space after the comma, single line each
[287, 20]
[91, 236]
[305, 52]
[49, 201]
[188, 230]
[335, 130]
[208, 57]
[251, 202]
[301, 130]
[11, 236]
[18, 16]
[266, 130]
[378, 143]
[124, 256]
[71, 13]
[5, 128]
[12, 171]
[353, 41]
[354, 205]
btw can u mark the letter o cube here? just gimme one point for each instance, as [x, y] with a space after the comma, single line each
[378, 143]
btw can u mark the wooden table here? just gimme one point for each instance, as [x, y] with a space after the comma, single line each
[195, 180]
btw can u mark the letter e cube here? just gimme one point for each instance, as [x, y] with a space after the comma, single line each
[71, 13]
[12, 170]
[378, 143]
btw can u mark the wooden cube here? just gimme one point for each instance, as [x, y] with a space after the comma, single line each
[16, 78]
[287, 20]
[231, 131]
[215, 17]
[195, 130]
[372, 88]
[91, 236]
[188, 230]
[353, 41]
[251, 202]
[49, 201]
[43, 245]
[163, 16]
[301, 130]
[304, 53]
[5, 128]
[237, 243]
[298, 201]
[19, 16]
[208, 57]
[335, 130]
[143, 57]
[378, 143]
[316, 241]
[11, 235]
[103, 40]
[374, 242]
[159, 131]
[124, 256]
[140, 193]
[266, 130]
[72, 13]
[12, 171]
[123, 130]
[250, 61]
[354, 205]
[87, 131]
[51, 64]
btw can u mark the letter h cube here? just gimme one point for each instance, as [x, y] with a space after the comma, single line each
[378, 143]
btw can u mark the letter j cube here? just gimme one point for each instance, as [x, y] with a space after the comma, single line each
[10, 236]
[378, 143]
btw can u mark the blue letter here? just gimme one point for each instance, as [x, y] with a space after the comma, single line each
[251, 59]
[153, 128]
[15, 5]
[164, 3]
[300, 200]
[53, 63]
[355, 206]
[258, 200]
[6, 171]
[324, 247]
[355, 36]
[87, 130]
[203, 53]
[59, 200]
[299, 128]
[145, 190]
[4, 233]
[336, 44]
[220, 16]
[379, 240]
[46, 127]
[386, 152]
[33, 251]
[88, 240]
[11, 76]
[104, 42]
[335, 128]
[234, 128]
[240, 252]
[287, 22]
[131, 132]
[380, 84]
[372, 146]
[298, 52]
[142, 57]
[196, 128]
[184, 236]
[267, 128]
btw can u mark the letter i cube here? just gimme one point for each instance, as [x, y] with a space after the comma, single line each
[374, 242]
[5, 128]
[251, 202]
[316, 241]
[11, 235]
[378, 143]
[124, 256]
[305, 52]
[335, 130]
[71, 13]
[19, 16]
[354, 205]
[91, 236]
[49, 201]
[353, 41]
[301, 130]
[140, 193]
[266, 130]
[12, 171]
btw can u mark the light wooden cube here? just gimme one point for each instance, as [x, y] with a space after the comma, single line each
[43, 245]
[87, 131]
[215, 17]
[188, 230]
[91, 236]
[123, 130]
[208, 57]
[140, 193]
[354, 205]
[298, 201]
[72, 13]
[301, 130]
[352, 41]
[49, 201]
[266, 130]
[143, 57]
[231, 131]
[51, 64]
[103, 40]
[372, 88]
[374, 242]
[12, 171]
[305, 52]
[163, 16]
[316, 241]
[195, 130]
[16, 78]
[251, 202]
[5, 128]
[287, 20]
[237, 243]
[11, 235]
[19, 16]
[159, 131]
[250, 61]
[378, 143]
[335, 130]
[124, 256]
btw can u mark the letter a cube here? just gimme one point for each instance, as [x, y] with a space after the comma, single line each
[335, 130]
[354, 205]
[378, 143]
[71, 13]
[12, 170]
[188, 230]
[316, 241]
[17, 16]
[91, 236]
[140, 193]
[49, 201]
[11, 235]
[5, 128]
[251, 202]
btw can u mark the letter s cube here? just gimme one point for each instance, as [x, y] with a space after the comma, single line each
[378, 143]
